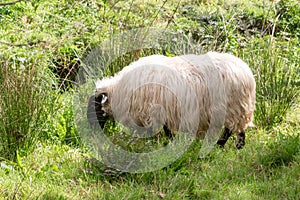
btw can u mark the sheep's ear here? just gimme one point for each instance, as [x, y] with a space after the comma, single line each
[104, 98]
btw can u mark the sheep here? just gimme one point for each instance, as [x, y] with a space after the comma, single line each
[182, 93]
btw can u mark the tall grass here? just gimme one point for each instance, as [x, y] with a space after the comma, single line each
[277, 74]
[24, 102]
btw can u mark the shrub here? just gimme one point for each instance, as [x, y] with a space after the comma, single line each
[289, 17]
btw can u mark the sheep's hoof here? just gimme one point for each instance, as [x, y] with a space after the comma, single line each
[226, 134]
[240, 140]
[221, 143]
[240, 144]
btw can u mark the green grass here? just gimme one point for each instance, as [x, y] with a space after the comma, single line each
[44, 43]
[24, 104]
[259, 170]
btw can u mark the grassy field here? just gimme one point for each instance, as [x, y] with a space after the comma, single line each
[43, 44]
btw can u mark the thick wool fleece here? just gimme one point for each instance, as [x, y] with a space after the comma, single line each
[185, 93]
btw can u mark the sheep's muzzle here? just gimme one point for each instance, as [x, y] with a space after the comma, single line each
[95, 113]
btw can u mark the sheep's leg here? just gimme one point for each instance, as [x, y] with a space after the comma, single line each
[168, 132]
[240, 140]
[223, 139]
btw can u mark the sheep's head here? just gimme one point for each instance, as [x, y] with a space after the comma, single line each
[97, 111]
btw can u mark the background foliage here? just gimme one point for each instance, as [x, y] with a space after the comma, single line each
[43, 44]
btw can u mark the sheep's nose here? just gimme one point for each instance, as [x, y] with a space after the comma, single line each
[95, 113]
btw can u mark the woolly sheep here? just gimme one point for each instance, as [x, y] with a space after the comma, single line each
[140, 95]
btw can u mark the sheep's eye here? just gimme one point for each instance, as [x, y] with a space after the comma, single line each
[104, 98]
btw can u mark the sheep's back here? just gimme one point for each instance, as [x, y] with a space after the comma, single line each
[154, 91]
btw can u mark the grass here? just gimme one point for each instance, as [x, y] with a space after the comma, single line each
[23, 104]
[276, 79]
[59, 171]
[44, 43]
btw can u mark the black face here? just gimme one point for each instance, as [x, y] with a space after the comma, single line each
[95, 114]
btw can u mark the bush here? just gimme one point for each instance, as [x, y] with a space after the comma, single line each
[289, 17]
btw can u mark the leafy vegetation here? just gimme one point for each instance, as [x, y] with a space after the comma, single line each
[44, 44]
